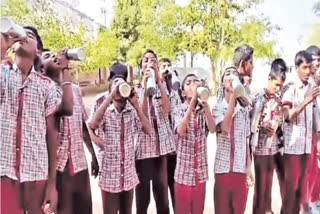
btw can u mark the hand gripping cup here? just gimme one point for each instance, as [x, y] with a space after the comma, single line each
[11, 29]
[151, 83]
[237, 87]
[203, 93]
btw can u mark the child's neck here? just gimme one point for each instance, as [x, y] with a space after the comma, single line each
[119, 105]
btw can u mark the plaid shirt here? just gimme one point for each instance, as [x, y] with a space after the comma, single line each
[23, 112]
[71, 136]
[192, 163]
[118, 171]
[233, 147]
[99, 131]
[272, 111]
[298, 132]
[175, 105]
[161, 140]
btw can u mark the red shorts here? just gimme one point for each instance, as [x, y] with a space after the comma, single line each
[189, 199]
[21, 197]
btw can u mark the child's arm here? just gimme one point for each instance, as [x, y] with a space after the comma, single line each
[209, 118]
[88, 142]
[226, 123]
[291, 113]
[97, 117]
[182, 126]
[146, 126]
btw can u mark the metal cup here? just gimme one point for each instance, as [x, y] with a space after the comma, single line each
[8, 27]
[203, 93]
[76, 54]
[151, 83]
[237, 86]
[124, 89]
[174, 80]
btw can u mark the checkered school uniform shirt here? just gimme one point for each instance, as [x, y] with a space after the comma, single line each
[192, 160]
[23, 112]
[175, 105]
[71, 136]
[118, 171]
[99, 131]
[298, 132]
[233, 147]
[161, 140]
[272, 111]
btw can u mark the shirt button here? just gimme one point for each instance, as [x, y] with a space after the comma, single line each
[69, 153]
[18, 149]
[69, 136]
[121, 175]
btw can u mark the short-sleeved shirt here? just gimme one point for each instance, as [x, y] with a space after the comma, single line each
[273, 112]
[118, 172]
[192, 160]
[99, 131]
[298, 132]
[161, 140]
[233, 147]
[71, 136]
[23, 112]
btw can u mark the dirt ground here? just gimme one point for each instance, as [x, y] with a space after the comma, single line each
[209, 205]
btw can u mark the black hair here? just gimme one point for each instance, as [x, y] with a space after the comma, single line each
[278, 69]
[147, 51]
[38, 38]
[164, 60]
[242, 53]
[45, 49]
[114, 77]
[313, 50]
[118, 69]
[302, 57]
[229, 70]
[185, 79]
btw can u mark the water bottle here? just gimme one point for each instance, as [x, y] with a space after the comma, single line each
[11, 29]
[151, 83]
[237, 86]
[255, 119]
[203, 93]
[76, 54]
[269, 140]
[124, 89]
[174, 80]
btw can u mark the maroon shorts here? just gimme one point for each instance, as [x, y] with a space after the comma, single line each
[189, 199]
[21, 197]
[230, 193]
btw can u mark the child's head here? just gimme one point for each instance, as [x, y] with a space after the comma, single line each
[226, 78]
[187, 85]
[303, 63]
[114, 83]
[277, 76]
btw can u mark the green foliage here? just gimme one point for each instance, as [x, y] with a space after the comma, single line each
[313, 37]
[56, 32]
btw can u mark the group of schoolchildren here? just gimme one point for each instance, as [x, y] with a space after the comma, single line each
[160, 139]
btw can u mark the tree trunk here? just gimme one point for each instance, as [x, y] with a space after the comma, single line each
[191, 59]
[130, 75]
[215, 83]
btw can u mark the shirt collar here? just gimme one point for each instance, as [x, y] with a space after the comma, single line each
[128, 107]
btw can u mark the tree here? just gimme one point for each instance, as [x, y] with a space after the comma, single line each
[213, 29]
[57, 32]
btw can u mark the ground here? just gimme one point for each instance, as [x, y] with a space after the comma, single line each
[209, 205]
